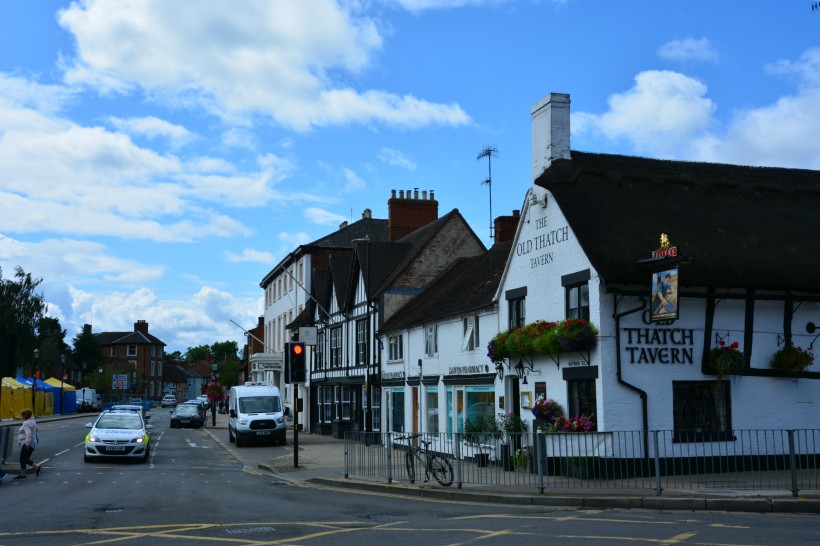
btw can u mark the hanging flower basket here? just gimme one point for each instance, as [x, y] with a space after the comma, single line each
[575, 335]
[214, 391]
[727, 359]
[791, 360]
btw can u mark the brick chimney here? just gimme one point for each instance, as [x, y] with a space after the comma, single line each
[86, 329]
[367, 213]
[550, 131]
[504, 227]
[141, 326]
[407, 213]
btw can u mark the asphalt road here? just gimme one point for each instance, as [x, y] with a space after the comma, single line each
[193, 491]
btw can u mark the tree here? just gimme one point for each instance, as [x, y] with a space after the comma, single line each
[51, 342]
[201, 352]
[224, 350]
[175, 356]
[21, 309]
[86, 353]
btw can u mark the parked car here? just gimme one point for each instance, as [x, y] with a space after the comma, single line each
[169, 400]
[204, 399]
[118, 434]
[199, 405]
[186, 415]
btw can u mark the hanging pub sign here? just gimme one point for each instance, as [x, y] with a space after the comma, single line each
[664, 297]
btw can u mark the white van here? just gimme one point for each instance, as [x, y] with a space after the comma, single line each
[87, 400]
[255, 412]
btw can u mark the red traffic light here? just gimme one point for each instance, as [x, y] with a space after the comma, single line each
[297, 349]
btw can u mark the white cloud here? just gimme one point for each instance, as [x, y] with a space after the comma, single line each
[668, 114]
[153, 127]
[182, 322]
[353, 181]
[689, 49]
[292, 240]
[250, 255]
[85, 261]
[661, 114]
[806, 70]
[317, 215]
[268, 59]
[396, 159]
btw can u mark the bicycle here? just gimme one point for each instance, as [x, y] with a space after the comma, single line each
[434, 464]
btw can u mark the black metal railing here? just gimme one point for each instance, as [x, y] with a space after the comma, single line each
[656, 460]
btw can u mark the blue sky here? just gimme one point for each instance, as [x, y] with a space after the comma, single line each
[158, 158]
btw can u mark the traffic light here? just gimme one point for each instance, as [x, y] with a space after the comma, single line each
[295, 362]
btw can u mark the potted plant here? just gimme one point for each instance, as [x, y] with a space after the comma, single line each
[514, 429]
[547, 411]
[726, 359]
[479, 432]
[791, 360]
[523, 458]
[576, 423]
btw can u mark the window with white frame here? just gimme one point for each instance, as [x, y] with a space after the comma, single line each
[395, 348]
[327, 404]
[336, 347]
[153, 369]
[431, 340]
[112, 351]
[576, 294]
[320, 350]
[361, 342]
[132, 350]
[470, 340]
[345, 402]
[376, 408]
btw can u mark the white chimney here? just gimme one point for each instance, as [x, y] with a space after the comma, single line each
[550, 131]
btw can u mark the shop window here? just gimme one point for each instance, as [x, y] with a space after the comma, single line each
[377, 410]
[361, 342]
[480, 401]
[345, 403]
[470, 340]
[701, 411]
[582, 398]
[327, 405]
[397, 410]
[431, 340]
[336, 347]
[432, 409]
[395, 348]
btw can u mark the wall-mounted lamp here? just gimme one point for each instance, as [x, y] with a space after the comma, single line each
[499, 369]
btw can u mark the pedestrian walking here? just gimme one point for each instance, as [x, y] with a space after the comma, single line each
[27, 440]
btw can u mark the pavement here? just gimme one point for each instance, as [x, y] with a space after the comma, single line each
[321, 462]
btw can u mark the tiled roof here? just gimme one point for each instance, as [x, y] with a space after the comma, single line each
[449, 295]
[127, 338]
[742, 227]
[339, 240]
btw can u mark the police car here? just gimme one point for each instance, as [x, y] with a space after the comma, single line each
[118, 434]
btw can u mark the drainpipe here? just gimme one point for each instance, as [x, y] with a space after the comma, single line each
[641, 392]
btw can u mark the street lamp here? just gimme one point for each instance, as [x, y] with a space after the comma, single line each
[62, 383]
[213, 402]
[34, 382]
[100, 381]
